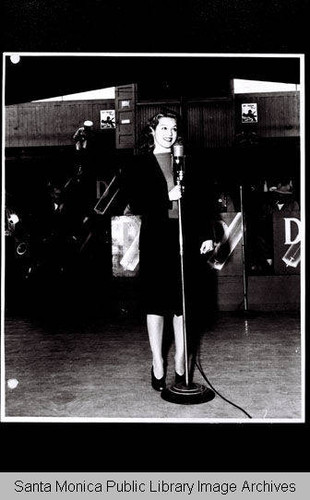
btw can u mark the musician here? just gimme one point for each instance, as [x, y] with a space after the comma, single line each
[82, 135]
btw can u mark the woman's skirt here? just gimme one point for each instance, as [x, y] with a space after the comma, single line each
[160, 269]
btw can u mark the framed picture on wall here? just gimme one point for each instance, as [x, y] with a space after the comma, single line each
[107, 118]
[249, 113]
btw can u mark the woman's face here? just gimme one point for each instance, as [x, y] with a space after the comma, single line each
[165, 134]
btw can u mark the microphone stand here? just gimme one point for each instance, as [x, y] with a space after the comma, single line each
[244, 272]
[189, 392]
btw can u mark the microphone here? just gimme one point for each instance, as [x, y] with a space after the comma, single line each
[179, 161]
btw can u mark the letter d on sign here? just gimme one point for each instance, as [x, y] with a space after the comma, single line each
[288, 230]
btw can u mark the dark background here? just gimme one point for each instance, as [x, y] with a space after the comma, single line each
[156, 76]
[242, 26]
[156, 25]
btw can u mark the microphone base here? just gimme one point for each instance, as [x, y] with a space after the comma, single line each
[190, 394]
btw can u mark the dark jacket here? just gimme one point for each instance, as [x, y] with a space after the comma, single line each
[145, 189]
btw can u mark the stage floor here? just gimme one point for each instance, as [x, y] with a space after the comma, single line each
[100, 370]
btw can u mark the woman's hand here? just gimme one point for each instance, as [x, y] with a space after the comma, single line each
[175, 193]
[206, 246]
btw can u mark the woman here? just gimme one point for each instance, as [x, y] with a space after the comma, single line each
[154, 194]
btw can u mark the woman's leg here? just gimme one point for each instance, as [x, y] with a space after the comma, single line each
[179, 344]
[155, 328]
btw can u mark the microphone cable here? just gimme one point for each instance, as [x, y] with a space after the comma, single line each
[198, 364]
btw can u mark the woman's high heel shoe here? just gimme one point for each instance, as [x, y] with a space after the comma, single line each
[179, 379]
[159, 384]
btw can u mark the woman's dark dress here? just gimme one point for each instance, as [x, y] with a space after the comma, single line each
[160, 271]
[160, 276]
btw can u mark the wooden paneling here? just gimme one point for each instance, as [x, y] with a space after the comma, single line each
[210, 124]
[50, 123]
[265, 293]
[278, 114]
[274, 293]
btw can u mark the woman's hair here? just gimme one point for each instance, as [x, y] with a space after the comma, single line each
[146, 141]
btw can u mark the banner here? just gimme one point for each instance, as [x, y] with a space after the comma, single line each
[287, 242]
[125, 233]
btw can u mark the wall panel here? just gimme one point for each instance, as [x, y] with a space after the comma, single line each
[210, 123]
[50, 123]
[278, 114]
